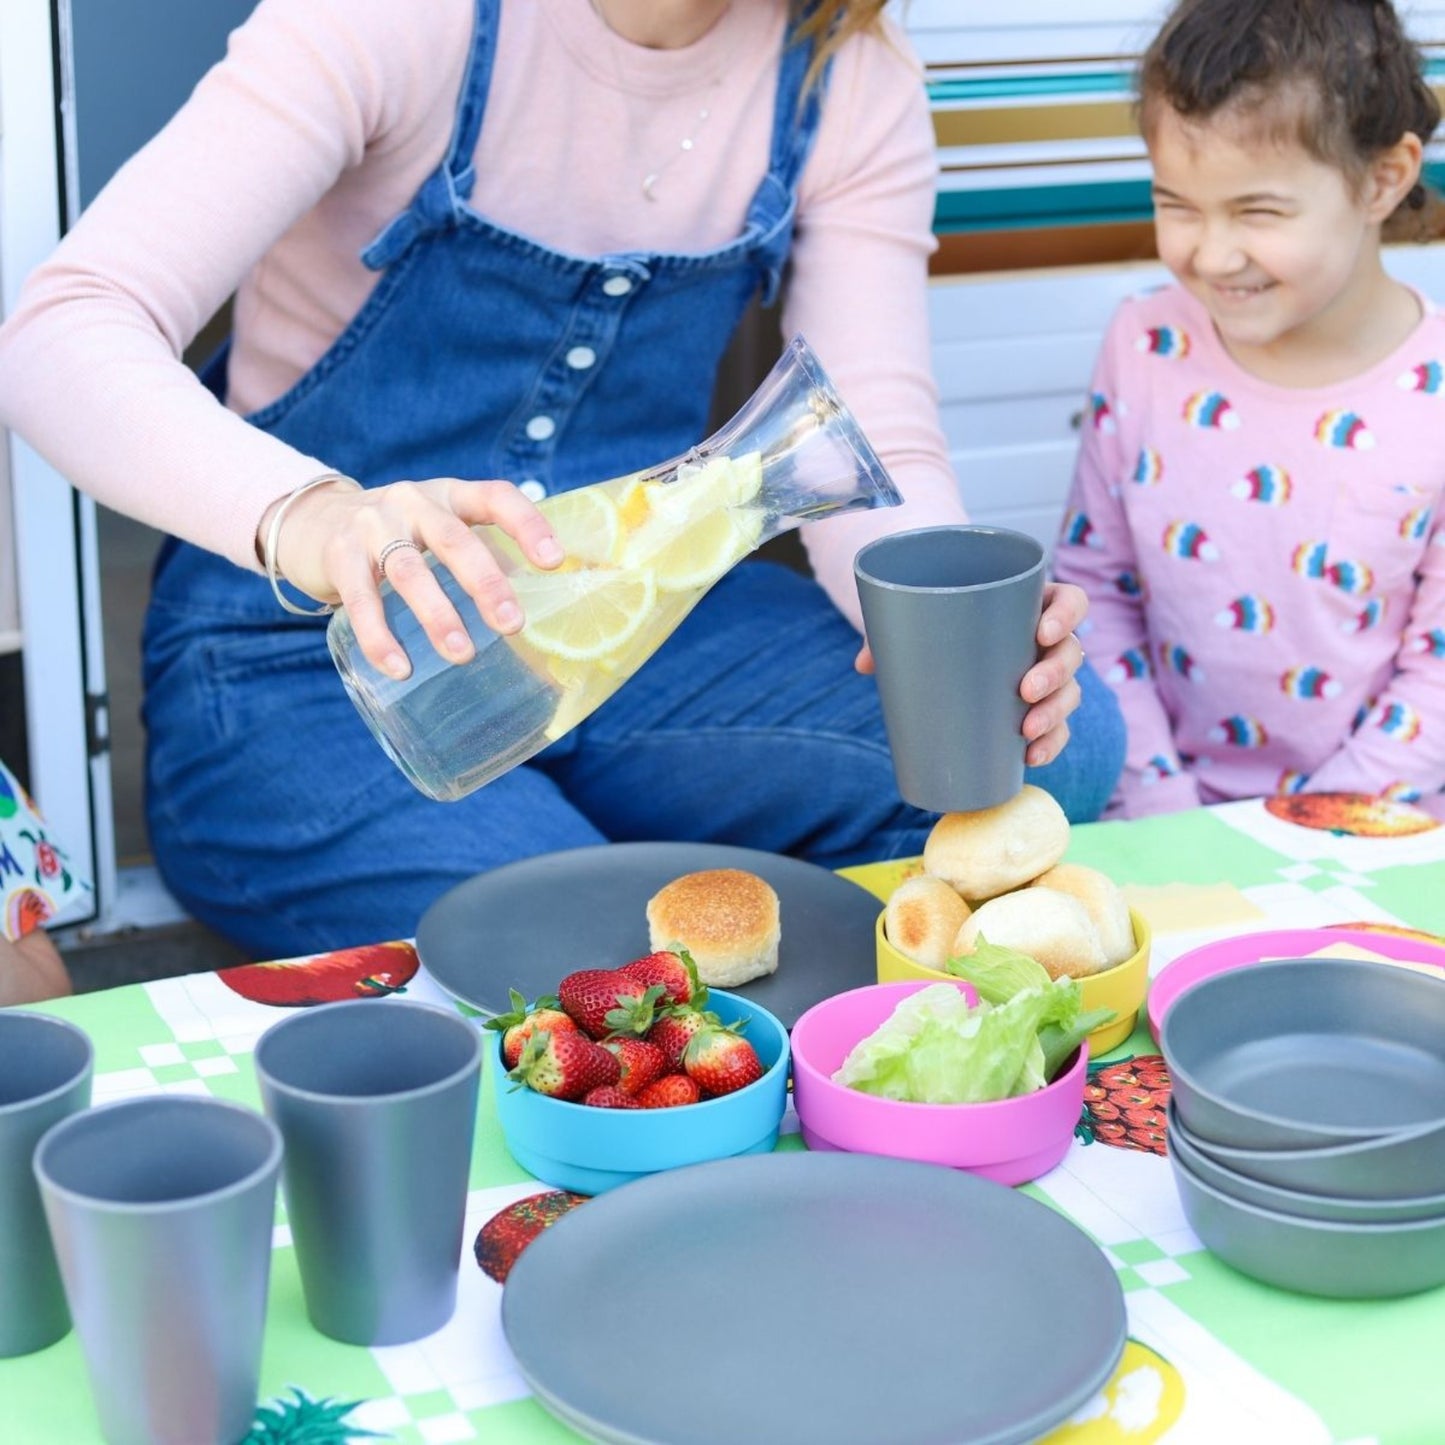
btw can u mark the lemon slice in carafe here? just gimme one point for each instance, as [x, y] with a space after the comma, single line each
[696, 554]
[587, 524]
[586, 614]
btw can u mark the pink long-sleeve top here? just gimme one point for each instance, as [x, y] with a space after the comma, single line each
[1265, 565]
[318, 127]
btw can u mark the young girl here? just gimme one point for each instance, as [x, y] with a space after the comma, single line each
[474, 240]
[1255, 510]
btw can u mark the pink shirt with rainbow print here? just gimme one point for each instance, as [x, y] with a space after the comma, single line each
[1265, 565]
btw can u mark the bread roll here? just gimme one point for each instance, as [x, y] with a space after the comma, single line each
[922, 919]
[998, 849]
[726, 918]
[1042, 922]
[1103, 899]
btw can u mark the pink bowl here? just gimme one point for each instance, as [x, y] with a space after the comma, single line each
[1011, 1141]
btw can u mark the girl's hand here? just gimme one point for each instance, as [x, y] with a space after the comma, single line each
[1049, 684]
[332, 537]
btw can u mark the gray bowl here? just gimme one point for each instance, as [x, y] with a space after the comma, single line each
[1307, 1053]
[1407, 1165]
[1293, 1201]
[1313, 1256]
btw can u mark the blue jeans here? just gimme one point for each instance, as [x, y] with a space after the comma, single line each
[290, 832]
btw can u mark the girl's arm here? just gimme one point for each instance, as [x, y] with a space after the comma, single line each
[1096, 551]
[1400, 742]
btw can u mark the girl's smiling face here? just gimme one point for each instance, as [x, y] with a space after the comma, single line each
[1280, 247]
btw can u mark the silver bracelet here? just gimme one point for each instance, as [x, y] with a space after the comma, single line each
[273, 533]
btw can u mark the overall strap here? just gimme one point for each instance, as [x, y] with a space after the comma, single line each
[795, 127]
[435, 206]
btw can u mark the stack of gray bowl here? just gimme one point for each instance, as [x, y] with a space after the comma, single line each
[1307, 1126]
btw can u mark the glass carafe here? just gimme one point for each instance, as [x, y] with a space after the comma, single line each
[641, 551]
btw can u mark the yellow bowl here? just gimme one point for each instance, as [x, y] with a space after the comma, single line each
[1120, 988]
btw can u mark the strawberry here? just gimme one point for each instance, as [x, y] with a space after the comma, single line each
[719, 1061]
[609, 1096]
[674, 1028]
[669, 1092]
[675, 972]
[604, 1001]
[641, 1062]
[564, 1065]
[507, 1233]
[521, 1023]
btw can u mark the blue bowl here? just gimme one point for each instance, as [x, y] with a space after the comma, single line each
[587, 1150]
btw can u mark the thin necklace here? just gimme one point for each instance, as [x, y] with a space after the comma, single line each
[655, 174]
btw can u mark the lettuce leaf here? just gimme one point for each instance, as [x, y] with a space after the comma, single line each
[937, 1049]
[997, 971]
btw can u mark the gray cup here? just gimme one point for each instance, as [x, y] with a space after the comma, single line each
[377, 1102]
[46, 1067]
[951, 614]
[162, 1210]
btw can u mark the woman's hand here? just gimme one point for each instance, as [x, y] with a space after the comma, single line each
[1049, 684]
[332, 538]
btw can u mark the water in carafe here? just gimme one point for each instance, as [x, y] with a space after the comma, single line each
[641, 550]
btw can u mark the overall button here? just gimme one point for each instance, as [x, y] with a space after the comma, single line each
[617, 285]
[540, 428]
[532, 489]
[581, 357]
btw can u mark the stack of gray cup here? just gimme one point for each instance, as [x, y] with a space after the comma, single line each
[150, 1220]
[1307, 1125]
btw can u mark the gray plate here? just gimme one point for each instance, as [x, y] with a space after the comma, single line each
[1307, 1053]
[819, 1297]
[527, 924]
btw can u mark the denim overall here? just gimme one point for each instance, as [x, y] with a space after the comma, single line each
[274, 815]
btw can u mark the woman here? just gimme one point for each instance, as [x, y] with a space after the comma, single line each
[484, 239]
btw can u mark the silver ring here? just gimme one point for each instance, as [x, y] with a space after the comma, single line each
[395, 545]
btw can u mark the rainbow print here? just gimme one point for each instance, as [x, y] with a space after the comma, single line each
[1345, 431]
[1415, 523]
[1176, 659]
[1428, 378]
[1397, 720]
[1239, 732]
[1401, 792]
[1211, 411]
[1309, 559]
[1353, 578]
[1371, 615]
[1267, 484]
[1249, 613]
[1149, 468]
[1188, 540]
[1129, 665]
[1079, 531]
[1101, 413]
[1309, 683]
[1291, 781]
[1170, 341]
[1127, 584]
[1432, 642]
[1158, 768]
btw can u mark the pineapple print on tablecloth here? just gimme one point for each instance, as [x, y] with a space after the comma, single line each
[304, 1421]
[1125, 1104]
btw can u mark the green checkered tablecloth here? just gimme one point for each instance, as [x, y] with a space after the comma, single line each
[1213, 1357]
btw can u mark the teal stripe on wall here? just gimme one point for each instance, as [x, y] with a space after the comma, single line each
[960, 90]
[1073, 205]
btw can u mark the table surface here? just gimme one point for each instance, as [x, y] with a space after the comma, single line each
[1213, 1356]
